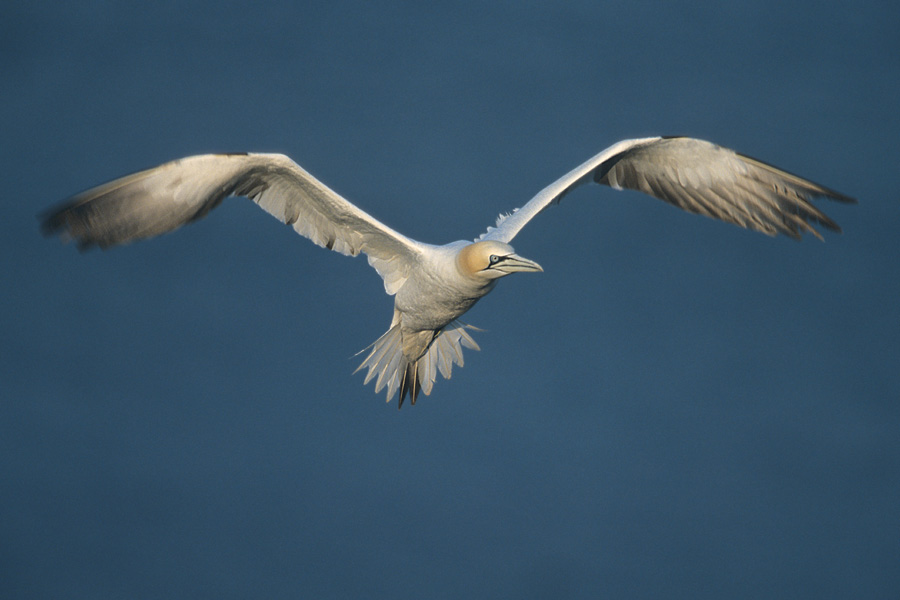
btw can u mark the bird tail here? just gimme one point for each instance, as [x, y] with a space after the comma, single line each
[393, 369]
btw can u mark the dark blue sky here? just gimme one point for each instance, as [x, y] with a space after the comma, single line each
[675, 408]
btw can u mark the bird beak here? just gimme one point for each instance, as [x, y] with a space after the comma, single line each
[515, 263]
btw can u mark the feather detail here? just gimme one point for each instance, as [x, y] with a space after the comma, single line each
[389, 367]
[500, 218]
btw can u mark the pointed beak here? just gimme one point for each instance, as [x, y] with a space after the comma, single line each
[515, 264]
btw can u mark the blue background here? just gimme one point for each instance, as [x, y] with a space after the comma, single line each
[675, 408]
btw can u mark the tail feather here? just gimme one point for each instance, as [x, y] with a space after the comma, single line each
[389, 367]
[377, 355]
[409, 383]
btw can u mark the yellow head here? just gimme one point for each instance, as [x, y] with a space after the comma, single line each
[490, 259]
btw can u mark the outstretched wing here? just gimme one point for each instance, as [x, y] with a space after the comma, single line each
[696, 176]
[163, 199]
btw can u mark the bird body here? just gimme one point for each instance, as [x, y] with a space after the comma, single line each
[440, 290]
[449, 280]
[433, 286]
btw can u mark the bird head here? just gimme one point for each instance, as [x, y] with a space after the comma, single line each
[490, 259]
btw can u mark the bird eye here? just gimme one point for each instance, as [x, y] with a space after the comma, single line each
[494, 259]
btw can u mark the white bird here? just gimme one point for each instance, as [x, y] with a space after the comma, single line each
[434, 285]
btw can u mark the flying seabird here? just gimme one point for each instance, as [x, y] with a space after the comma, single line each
[433, 286]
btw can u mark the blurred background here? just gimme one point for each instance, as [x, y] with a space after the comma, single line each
[676, 408]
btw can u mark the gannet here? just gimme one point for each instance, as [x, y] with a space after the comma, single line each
[433, 286]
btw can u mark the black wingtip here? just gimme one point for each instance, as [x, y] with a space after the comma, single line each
[52, 222]
[58, 222]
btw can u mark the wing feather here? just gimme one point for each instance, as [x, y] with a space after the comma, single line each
[698, 177]
[159, 200]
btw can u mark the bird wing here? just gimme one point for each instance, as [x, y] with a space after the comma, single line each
[162, 199]
[696, 176]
